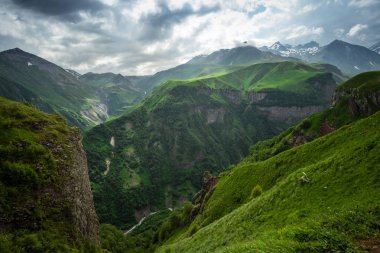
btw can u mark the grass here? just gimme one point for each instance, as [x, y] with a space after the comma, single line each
[330, 212]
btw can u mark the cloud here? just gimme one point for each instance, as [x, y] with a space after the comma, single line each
[356, 29]
[60, 7]
[308, 8]
[303, 31]
[362, 3]
[159, 24]
[339, 32]
[142, 37]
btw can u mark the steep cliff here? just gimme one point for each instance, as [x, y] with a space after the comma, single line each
[45, 197]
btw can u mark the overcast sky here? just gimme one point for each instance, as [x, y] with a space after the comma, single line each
[136, 37]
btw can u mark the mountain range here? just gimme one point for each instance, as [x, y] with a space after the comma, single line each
[351, 59]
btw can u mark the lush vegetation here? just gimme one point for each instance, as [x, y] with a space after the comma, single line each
[317, 197]
[154, 156]
[34, 147]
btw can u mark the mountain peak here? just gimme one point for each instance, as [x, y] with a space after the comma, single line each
[278, 46]
[15, 50]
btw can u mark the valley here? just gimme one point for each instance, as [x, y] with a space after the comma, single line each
[270, 149]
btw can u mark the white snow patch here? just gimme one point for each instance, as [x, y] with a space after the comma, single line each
[30, 64]
[356, 67]
[112, 141]
[372, 64]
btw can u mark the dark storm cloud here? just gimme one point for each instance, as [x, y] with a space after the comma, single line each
[66, 8]
[159, 25]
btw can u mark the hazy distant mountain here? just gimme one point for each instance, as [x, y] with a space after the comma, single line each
[115, 90]
[375, 47]
[351, 59]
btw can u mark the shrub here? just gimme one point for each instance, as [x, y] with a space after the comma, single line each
[256, 191]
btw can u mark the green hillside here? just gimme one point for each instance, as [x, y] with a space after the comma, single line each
[84, 101]
[154, 156]
[45, 198]
[354, 99]
[321, 196]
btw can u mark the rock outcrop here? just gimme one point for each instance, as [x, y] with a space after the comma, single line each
[44, 181]
[359, 103]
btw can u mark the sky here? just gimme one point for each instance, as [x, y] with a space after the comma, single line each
[142, 37]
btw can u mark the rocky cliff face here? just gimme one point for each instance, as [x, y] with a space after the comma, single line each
[44, 182]
[359, 103]
[76, 190]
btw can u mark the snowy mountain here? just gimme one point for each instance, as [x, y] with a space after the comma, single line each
[301, 51]
[351, 59]
[376, 47]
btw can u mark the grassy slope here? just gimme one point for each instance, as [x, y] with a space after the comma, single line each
[339, 205]
[164, 144]
[31, 219]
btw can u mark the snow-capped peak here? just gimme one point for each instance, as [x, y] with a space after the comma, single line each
[277, 46]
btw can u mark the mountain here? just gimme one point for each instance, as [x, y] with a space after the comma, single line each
[46, 204]
[73, 72]
[375, 47]
[351, 59]
[277, 46]
[56, 89]
[301, 51]
[154, 156]
[320, 196]
[83, 100]
[222, 61]
[116, 91]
